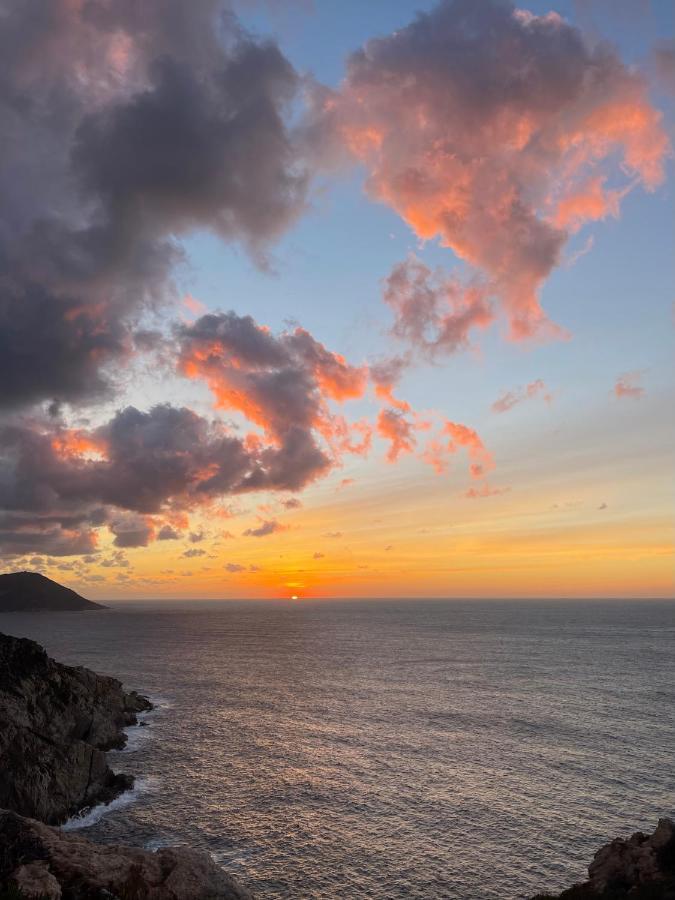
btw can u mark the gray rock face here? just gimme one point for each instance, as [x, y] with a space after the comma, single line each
[32, 592]
[56, 722]
[44, 862]
[642, 859]
[641, 867]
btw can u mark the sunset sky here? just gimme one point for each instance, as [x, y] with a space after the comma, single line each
[338, 299]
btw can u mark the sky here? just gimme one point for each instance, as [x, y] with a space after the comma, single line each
[338, 300]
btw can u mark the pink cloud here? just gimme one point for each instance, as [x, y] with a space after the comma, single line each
[196, 307]
[434, 313]
[345, 483]
[497, 132]
[399, 431]
[511, 398]
[628, 385]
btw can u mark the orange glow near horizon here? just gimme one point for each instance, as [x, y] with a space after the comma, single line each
[415, 537]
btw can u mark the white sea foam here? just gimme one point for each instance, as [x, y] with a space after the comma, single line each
[157, 843]
[91, 816]
[159, 704]
[137, 735]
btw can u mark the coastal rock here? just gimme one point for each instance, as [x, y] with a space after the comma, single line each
[641, 867]
[33, 592]
[44, 862]
[56, 722]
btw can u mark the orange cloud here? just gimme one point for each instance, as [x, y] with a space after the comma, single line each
[485, 491]
[75, 442]
[511, 398]
[498, 159]
[589, 203]
[196, 307]
[628, 385]
[463, 436]
[395, 428]
[385, 375]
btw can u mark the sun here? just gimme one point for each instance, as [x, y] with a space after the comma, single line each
[295, 597]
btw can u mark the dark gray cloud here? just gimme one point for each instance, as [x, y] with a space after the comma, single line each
[124, 126]
[116, 560]
[663, 58]
[30, 534]
[58, 484]
[131, 531]
[270, 526]
[144, 464]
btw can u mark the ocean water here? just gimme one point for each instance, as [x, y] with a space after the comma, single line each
[467, 750]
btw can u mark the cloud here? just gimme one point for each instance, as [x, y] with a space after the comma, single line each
[63, 482]
[385, 374]
[453, 436]
[268, 526]
[292, 503]
[485, 490]
[663, 55]
[512, 398]
[628, 385]
[196, 536]
[434, 313]
[281, 384]
[234, 567]
[333, 534]
[190, 554]
[126, 128]
[57, 485]
[131, 530]
[318, 555]
[117, 560]
[498, 132]
[21, 534]
[399, 431]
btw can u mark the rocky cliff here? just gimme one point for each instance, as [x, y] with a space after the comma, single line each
[43, 862]
[641, 867]
[32, 592]
[56, 722]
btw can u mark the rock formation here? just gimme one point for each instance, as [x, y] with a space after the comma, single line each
[56, 722]
[44, 862]
[641, 867]
[32, 592]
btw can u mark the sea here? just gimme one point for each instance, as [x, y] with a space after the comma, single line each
[385, 749]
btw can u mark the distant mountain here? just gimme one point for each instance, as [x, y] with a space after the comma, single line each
[30, 592]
